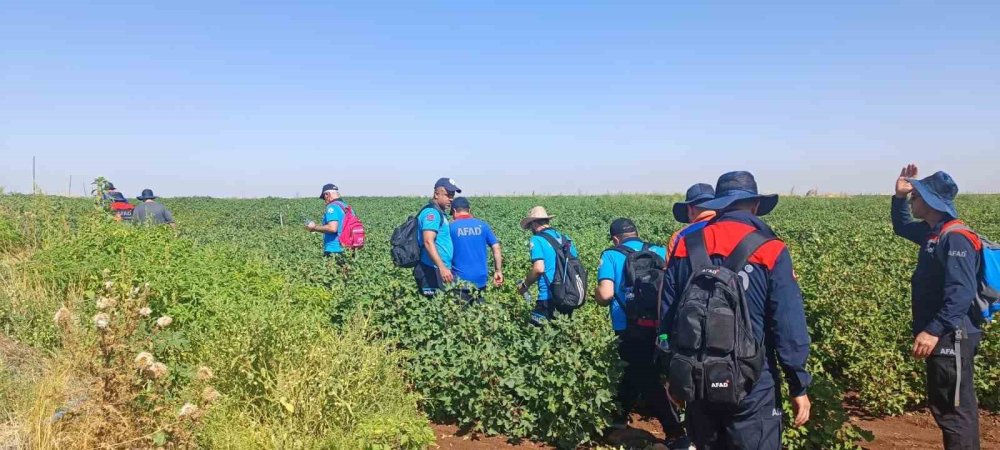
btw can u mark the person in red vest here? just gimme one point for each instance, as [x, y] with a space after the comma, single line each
[120, 207]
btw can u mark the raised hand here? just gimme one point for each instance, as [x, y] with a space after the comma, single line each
[903, 187]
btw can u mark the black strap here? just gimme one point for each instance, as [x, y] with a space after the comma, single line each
[697, 251]
[623, 249]
[556, 245]
[746, 248]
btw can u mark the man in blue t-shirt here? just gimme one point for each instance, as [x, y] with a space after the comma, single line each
[470, 237]
[333, 216]
[543, 260]
[636, 340]
[434, 237]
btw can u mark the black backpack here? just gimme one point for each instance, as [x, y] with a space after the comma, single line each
[643, 273]
[568, 288]
[405, 249]
[715, 357]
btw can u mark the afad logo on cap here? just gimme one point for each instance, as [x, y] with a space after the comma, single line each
[452, 181]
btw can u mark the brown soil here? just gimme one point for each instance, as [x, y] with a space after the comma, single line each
[910, 431]
[918, 430]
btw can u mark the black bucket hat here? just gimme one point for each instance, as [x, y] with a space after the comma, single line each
[696, 195]
[938, 191]
[147, 194]
[740, 185]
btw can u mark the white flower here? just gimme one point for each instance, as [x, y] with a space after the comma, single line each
[61, 316]
[109, 284]
[209, 395]
[145, 311]
[204, 374]
[106, 302]
[158, 370]
[164, 321]
[144, 360]
[106, 272]
[101, 321]
[146, 285]
[187, 410]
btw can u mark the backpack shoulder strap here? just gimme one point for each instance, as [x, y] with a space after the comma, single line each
[623, 249]
[746, 248]
[556, 245]
[440, 214]
[697, 250]
[957, 226]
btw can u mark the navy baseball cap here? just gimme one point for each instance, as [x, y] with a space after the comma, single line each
[696, 195]
[938, 191]
[448, 184]
[622, 226]
[460, 203]
[328, 187]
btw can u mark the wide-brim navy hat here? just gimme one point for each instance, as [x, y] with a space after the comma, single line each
[147, 194]
[118, 197]
[938, 191]
[696, 195]
[735, 186]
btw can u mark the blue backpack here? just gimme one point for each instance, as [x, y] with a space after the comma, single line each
[988, 301]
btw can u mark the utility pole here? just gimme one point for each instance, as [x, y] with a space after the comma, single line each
[69, 189]
[34, 186]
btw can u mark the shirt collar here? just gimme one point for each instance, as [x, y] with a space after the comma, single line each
[459, 216]
[705, 215]
[744, 217]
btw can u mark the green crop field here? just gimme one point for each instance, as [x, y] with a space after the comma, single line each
[302, 358]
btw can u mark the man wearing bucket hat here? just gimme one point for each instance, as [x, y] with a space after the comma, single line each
[775, 309]
[691, 213]
[944, 286]
[543, 260]
[150, 211]
[120, 207]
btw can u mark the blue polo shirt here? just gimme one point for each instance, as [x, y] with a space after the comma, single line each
[612, 267]
[432, 218]
[334, 213]
[541, 250]
[471, 237]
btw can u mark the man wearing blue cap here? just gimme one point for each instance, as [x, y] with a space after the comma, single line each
[434, 237]
[774, 306]
[333, 217]
[944, 285]
[470, 237]
[690, 212]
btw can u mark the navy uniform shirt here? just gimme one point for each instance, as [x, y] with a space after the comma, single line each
[946, 279]
[774, 300]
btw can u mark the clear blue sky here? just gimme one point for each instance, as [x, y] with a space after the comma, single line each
[247, 99]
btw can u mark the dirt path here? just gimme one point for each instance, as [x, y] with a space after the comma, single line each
[911, 431]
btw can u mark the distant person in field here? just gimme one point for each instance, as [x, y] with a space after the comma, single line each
[471, 237]
[151, 212]
[109, 192]
[333, 217]
[543, 260]
[944, 286]
[691, 213]
[735, 407]
[633, 312]
[433, 271]
[120, 207]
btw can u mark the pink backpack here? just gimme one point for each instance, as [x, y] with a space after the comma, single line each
[352, 231]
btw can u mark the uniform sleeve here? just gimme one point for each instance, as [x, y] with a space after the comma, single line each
[960, 261]
[491, 239]
[785, 317]
[535, 248]
[606, 268]
[903, 224]
[167, 216]
[671, 290]
[429, 220]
